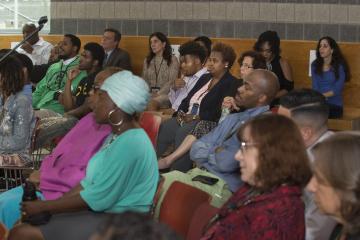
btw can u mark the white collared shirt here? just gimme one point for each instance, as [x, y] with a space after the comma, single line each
[68, 61]
[176, 96]
[40, 54]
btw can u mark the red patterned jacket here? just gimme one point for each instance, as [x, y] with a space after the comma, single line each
[278, 215]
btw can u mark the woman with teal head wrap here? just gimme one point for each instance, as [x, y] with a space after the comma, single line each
[122, 176]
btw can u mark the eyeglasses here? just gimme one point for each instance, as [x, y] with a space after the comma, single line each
[244, 146]
[244, 65]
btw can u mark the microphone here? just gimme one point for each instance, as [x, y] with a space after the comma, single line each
[43, 20]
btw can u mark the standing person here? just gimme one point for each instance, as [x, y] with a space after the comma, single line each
[329, 72]
[114, 55]
[17, 119]
[160, 70]
[274, 167]
[335, 183]
[268, 44]
[35, 48]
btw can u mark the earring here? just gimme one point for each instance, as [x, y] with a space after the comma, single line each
[109, 118]
[226, 66]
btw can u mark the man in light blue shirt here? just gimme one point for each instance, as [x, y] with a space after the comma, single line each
[214, 153]
[192, 58]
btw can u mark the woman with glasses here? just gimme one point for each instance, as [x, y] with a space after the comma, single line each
[17, 119]
[336, 182]
[268, 44]
[248, 61]
[160, 70]
[274, 167]
[329, 72]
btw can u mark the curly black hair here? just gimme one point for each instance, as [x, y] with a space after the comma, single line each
[193, 48]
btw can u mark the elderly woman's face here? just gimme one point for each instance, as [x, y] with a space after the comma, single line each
[248, 157]
[94, 92]
[103, 106]
[156, 45]
[216, 64]
[325, 196]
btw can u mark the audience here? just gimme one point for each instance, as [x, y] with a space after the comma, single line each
[134, 226]
[200, 111]
[48, 90]
[17, 119]
[214, 153]
[114, 56]
[120, 177]
[274, 167]
[268, 44]
[248, 61]
[74, 102]
[329, 72]
[160, 70]
[335, 183]
[35, 47]
[65, 166]
[192, 59]
[309, 111]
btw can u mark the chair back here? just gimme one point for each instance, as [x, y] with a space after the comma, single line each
[179, 205]
[203, 214]
[151, 124]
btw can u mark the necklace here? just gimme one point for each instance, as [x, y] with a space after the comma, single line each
[109, 140]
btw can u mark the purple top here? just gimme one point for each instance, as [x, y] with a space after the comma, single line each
[66, 165]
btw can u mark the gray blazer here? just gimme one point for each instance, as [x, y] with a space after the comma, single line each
[119, 58]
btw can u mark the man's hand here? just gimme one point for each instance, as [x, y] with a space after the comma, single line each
[179, 82]
[72, 74]
[27, 47]
[229, 103]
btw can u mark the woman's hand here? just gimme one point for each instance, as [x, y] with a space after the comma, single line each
[29, 208]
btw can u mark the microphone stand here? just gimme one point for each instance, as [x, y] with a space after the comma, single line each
[41, 23]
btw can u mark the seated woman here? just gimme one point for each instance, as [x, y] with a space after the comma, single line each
[248, 61]
[17, 119]
[335, 183]
[274, 167]
[160, 70]
[202, 103]
[65, 167]
[121, 176]
[268, 44]
[329, 72]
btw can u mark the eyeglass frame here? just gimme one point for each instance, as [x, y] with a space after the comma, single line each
[245, 145]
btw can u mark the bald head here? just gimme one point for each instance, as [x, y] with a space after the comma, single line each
[265, 83]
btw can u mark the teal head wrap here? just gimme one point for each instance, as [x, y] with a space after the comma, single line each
[129, 92]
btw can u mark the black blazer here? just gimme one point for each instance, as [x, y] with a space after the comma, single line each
[119, 58]
[210, 106]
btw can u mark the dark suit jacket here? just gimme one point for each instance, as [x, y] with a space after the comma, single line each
[210, 106]
[119, 58]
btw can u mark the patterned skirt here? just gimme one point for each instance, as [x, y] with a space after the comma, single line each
[203, 127]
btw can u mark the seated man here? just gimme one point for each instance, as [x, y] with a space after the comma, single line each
[310, 112]
[46, 95]
[214, 153]
[192, 59]
[74, 102]
[114, 56]
[65, 166]
[35, 48]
